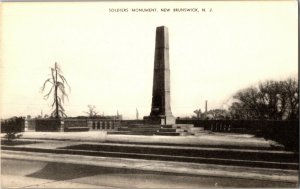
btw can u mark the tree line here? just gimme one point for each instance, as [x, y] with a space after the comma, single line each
[275, 100]
[269, 100]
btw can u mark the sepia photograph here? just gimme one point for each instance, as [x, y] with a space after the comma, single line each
[149, 94]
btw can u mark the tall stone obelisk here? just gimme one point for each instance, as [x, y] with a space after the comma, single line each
[161, 108]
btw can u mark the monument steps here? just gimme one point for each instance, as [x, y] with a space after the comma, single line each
[138, 129]
[183, 126]
[168, 126]
[234, 157]
[170, 130]
[141, 126]
[146, 133]
[146, 129]
[150, 129]
[197, 129]
[149, 133]
[168, 133]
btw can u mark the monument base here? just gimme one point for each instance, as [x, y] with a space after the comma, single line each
[157, 129]
[160, 120]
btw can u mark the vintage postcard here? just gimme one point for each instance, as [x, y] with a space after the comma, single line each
[149, 94]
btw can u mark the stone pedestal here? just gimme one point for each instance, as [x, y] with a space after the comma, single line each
[160, 120]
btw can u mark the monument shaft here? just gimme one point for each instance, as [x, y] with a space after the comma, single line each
[161, 108]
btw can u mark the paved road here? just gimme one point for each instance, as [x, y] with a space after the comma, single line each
[43, 174]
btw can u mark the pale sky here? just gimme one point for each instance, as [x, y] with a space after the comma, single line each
[108, 57]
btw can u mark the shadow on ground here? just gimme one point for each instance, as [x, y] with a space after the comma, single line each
[118, 177]
[16, 142]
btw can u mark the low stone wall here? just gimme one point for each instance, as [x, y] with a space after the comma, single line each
[285, 132]
[72, 125]
[47, 125]
[103, 124]
[68, 123]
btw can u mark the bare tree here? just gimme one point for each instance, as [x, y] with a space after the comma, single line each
[218, 113]
[270, 93]
[291, 89]
[92, 111]
[249, 103]
[237, 111]
[198, 113]
[57, 87]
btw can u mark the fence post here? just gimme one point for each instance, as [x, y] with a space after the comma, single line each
[61, 125]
